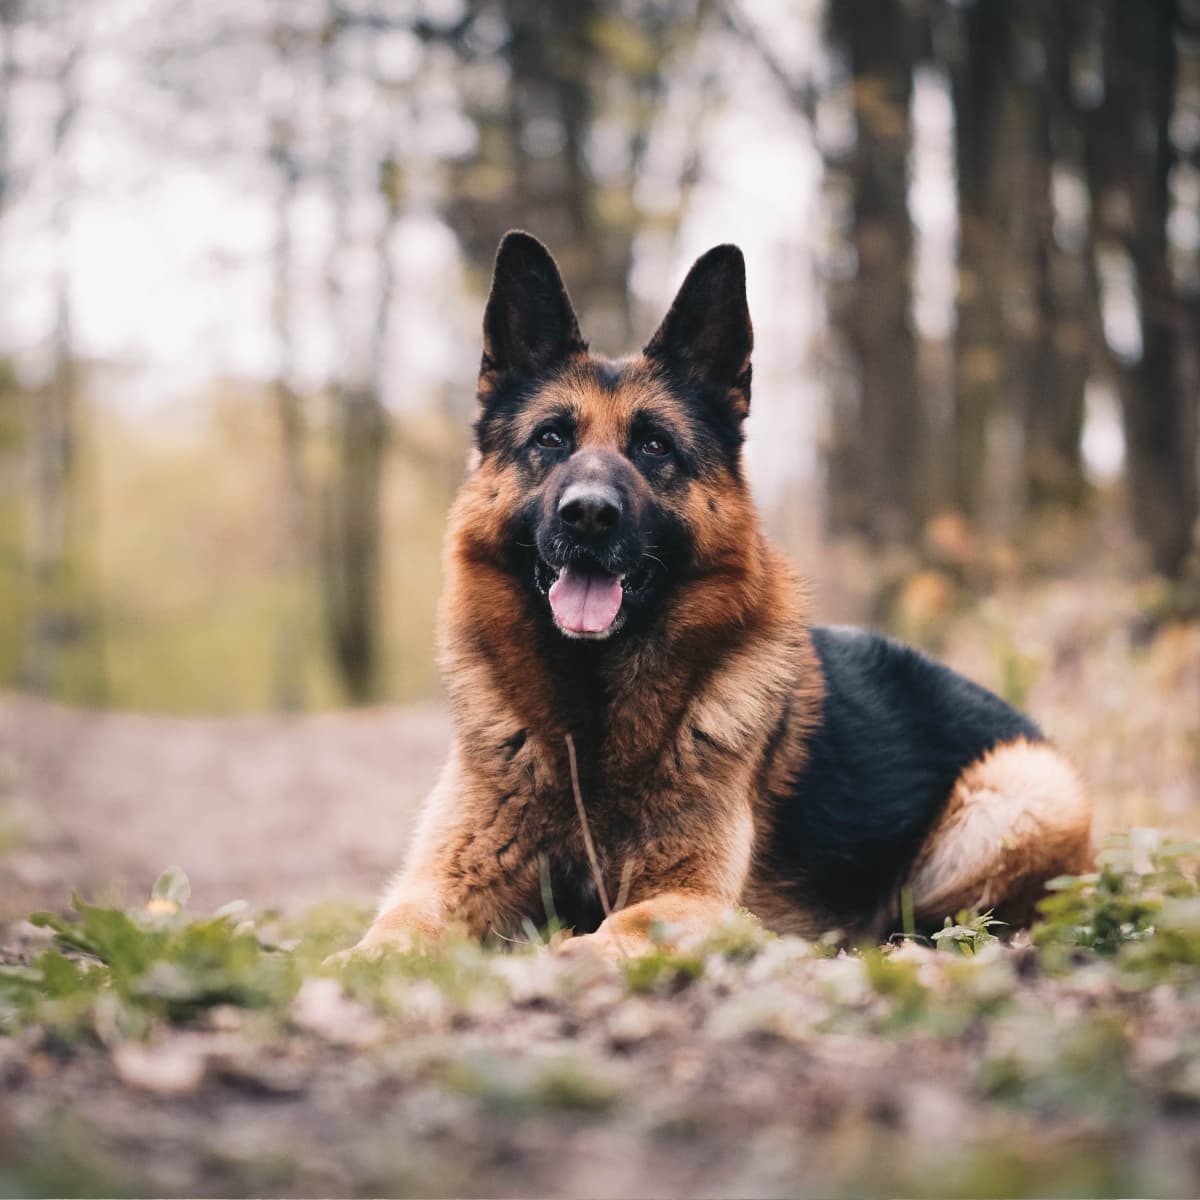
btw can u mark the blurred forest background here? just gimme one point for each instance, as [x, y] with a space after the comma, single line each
[244, 247]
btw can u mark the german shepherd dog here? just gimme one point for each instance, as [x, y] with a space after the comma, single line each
[617, 631]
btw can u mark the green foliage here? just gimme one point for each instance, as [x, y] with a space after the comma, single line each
[662, 970]
[319, 932]
[666, 969]
[896, 980]
[1138, 881]
[56, 992]
[132, 969]
[1100, 911]
[968, 933]
[460, 970]
[173, 887]
[189, 625]
[157, 962]
[1175, 945]
[739, 937]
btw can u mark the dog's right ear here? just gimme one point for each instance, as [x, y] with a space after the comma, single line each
[529, 325]
[706, 337]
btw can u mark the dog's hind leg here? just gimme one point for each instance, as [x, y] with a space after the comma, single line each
[1016, 818]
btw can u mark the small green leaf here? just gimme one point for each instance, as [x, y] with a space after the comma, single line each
[172, 885]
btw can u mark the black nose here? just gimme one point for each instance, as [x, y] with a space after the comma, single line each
[590, 509]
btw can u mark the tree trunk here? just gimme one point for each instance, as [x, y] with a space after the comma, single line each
[878, 464]
[291, 531]
[1129, 158]
[64, 652]
[1054, 412]
[352, 542]
[354, 534]
[350, 519]
[534, 168]
[977, 51]
[1047, 355]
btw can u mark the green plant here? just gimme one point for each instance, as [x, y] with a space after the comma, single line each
[896, 981]
[662, 970]
[157, 961]
[968, 933]
[1122, 901]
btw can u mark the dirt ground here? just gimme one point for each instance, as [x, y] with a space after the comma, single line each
[280, 811]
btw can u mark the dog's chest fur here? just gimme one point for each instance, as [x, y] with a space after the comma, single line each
[528, 855]
[661, 781]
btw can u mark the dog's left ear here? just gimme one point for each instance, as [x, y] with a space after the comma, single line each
[529, 325]
[706, 336]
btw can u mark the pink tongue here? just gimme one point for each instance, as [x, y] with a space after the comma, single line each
[585, 603]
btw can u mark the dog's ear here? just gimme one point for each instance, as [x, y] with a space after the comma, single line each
[706, 336]
[529, 324]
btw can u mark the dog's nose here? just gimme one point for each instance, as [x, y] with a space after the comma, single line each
[590, 509]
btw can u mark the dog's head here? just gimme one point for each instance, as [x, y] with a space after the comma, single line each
[621, 480]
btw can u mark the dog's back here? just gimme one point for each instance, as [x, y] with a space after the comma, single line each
[901, 742]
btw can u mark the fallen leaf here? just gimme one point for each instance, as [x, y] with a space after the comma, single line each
[172, 1067]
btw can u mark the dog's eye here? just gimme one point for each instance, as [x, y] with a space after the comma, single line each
[656, 447]
[551, 439]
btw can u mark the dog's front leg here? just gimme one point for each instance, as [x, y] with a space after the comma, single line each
[408, 920]
[417, 907]
[412, 916]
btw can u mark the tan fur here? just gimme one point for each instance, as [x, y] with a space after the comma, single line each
[1016, 818]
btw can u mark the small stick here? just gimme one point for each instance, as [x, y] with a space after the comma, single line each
[588, 844]
[593, 858]
[623, 890]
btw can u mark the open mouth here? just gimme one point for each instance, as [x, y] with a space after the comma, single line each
[588, 601]
[585, 601]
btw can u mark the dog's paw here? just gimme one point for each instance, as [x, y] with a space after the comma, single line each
[600, 946]
[353, 954]
[402, 929]
[378, 943]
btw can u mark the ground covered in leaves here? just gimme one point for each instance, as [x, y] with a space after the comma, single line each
[159, 1051]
